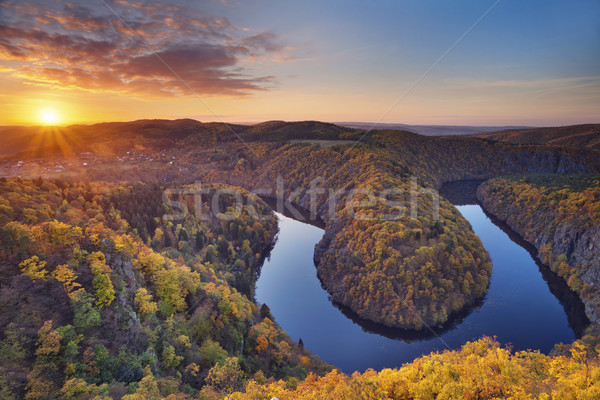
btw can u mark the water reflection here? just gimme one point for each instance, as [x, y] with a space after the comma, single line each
[465, 193]
[519, 307]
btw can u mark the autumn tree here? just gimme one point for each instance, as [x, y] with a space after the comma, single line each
[34, 268]
[226, 377]
[143, 301]
[103, 286]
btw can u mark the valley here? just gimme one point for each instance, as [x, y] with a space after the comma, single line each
[395, 256]
[182, 218]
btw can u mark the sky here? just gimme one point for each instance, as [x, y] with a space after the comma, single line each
[461, 62]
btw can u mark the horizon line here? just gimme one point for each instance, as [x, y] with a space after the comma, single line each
[339, 123]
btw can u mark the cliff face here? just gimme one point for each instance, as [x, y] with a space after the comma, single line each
[582, 250]
[402, 272]
[581, 247]
[562, 223]
[545, 162]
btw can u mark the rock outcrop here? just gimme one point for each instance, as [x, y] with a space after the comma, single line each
[561, 223]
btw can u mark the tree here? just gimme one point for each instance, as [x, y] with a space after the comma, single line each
[11, 348]
[48, 342]
[67, 277]
[227, 377]
[85, 315]
[15, 237]
[38, 386]
[158, 240]
[199, 241]
[103, 286]
[34, 268]
[76, 388]
[143, 301]
[147, 389]
[212, 353]
[262, 343]
[63, 234]
[170, 359]
[265, 312]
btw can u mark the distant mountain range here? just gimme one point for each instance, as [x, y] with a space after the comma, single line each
[111, 138]
[431, 130]
[574, 136]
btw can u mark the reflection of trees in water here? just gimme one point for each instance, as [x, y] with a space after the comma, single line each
[301, 211]
[409, 336]
[464, 193]
[574, 308]
[461, 193]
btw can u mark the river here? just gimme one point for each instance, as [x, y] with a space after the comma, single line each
[526, 305]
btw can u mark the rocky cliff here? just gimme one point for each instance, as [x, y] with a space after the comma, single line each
[560, 217]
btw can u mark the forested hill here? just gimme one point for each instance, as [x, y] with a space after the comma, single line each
[100, 296]
[103, 139]
[356, 271]
[115, 138]
[573, 136]
[560, 216]
[431, 130]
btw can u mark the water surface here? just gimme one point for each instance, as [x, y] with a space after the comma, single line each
[519, 308]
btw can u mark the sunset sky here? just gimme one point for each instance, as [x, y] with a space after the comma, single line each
[534, 62]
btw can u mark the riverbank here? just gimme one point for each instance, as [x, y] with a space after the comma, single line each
[560, 217]
[303, 308]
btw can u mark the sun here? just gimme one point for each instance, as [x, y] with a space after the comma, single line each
[48, 117]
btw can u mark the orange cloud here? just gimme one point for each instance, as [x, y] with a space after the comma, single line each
[85, 46]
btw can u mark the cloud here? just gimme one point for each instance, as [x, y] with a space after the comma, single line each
[265, 41]
[147, 48]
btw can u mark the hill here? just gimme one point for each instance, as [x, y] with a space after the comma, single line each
[97, 292]
[103, 139]
[114, 138]
[431, 130]
[573, 136]
[393, 252]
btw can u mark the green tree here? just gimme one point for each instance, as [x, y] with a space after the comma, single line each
[11, 348]
[147, 389]
[85, 315]
[170, 360]
[103, 286]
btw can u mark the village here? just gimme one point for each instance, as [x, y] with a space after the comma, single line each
[60, 165]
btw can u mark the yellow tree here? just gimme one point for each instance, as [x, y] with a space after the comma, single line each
[34, 268]
[67, 277]
[144, 304]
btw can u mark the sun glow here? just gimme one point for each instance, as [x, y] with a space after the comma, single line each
[48, 117]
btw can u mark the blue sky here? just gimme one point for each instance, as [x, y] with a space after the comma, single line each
[525, 63]
[380, 48]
